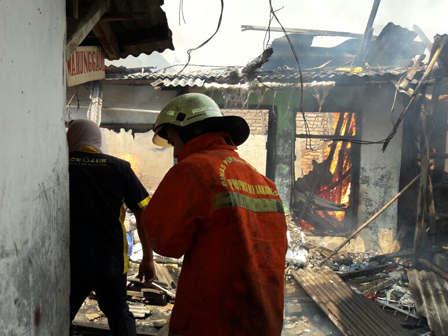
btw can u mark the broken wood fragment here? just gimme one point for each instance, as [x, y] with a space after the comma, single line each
[421, 83]
[366, 272]
[94, 316]
[368, 33]
[362, 227]
[423, 37]
[436, 269]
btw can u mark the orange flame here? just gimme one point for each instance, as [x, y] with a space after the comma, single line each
[133, 160]
[340, 165]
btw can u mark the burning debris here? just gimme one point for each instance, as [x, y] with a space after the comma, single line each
[322, 197]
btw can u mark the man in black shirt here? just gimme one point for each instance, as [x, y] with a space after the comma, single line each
[100, 187]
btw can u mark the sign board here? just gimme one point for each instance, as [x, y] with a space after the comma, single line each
[86, 64]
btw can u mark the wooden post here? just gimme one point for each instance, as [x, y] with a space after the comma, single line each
[435, 55]
[425, 196]
[419, 233]
[368, 33]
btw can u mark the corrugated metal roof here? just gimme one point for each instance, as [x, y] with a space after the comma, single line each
[352, 314]
[232, 78]
[431, 298]
[139, 27]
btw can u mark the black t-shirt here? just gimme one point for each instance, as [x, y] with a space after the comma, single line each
[100, 186]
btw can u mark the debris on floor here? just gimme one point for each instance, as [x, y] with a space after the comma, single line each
[151, 306]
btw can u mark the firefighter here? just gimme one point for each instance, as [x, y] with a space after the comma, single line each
[224, 217]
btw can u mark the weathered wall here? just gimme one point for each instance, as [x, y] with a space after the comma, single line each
[318, 124]
[151, 163]
[34, 240]
[121, 97]
[379, 175]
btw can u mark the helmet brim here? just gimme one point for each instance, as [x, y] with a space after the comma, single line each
[159, 141]
[237, 127]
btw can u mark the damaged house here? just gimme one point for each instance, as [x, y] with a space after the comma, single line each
[345, 137]
[354, 136]
[324, 151]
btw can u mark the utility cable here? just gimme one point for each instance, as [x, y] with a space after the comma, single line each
[189, 51]
[307, 130]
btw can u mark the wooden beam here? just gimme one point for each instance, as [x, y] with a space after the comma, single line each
[72, 9]
[423, 37]
[127, 16]
[368, 33]
[436, 269]
[312, 32]
[86, 24]
[108, 40]
[363, 226]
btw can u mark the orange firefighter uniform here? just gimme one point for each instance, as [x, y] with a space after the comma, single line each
[228, 221]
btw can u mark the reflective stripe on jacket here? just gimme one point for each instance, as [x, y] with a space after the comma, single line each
[228, 221]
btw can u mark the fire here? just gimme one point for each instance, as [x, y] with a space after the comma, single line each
[338, 191]
[305, 225]
[134, 161]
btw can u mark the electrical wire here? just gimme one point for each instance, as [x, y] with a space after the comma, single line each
[267, 35]
[181, 11]
[189, 51]
[307, 129]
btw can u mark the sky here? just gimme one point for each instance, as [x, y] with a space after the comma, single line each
[231, 46]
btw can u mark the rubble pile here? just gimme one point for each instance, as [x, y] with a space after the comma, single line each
[382, 279]
[151, 306]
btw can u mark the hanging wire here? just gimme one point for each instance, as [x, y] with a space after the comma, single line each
[181, 12]
[189, 51]
[307, 129]
[267, 35]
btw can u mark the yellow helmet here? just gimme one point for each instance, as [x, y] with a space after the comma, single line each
[191, 108]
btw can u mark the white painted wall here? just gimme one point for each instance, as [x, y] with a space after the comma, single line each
[34, 209]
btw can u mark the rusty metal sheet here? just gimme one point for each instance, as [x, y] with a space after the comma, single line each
[352, 314]
[431, 298]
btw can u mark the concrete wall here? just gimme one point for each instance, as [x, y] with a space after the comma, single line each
[379, 175]
[122, 97]
[34, 213]
[151, 163]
